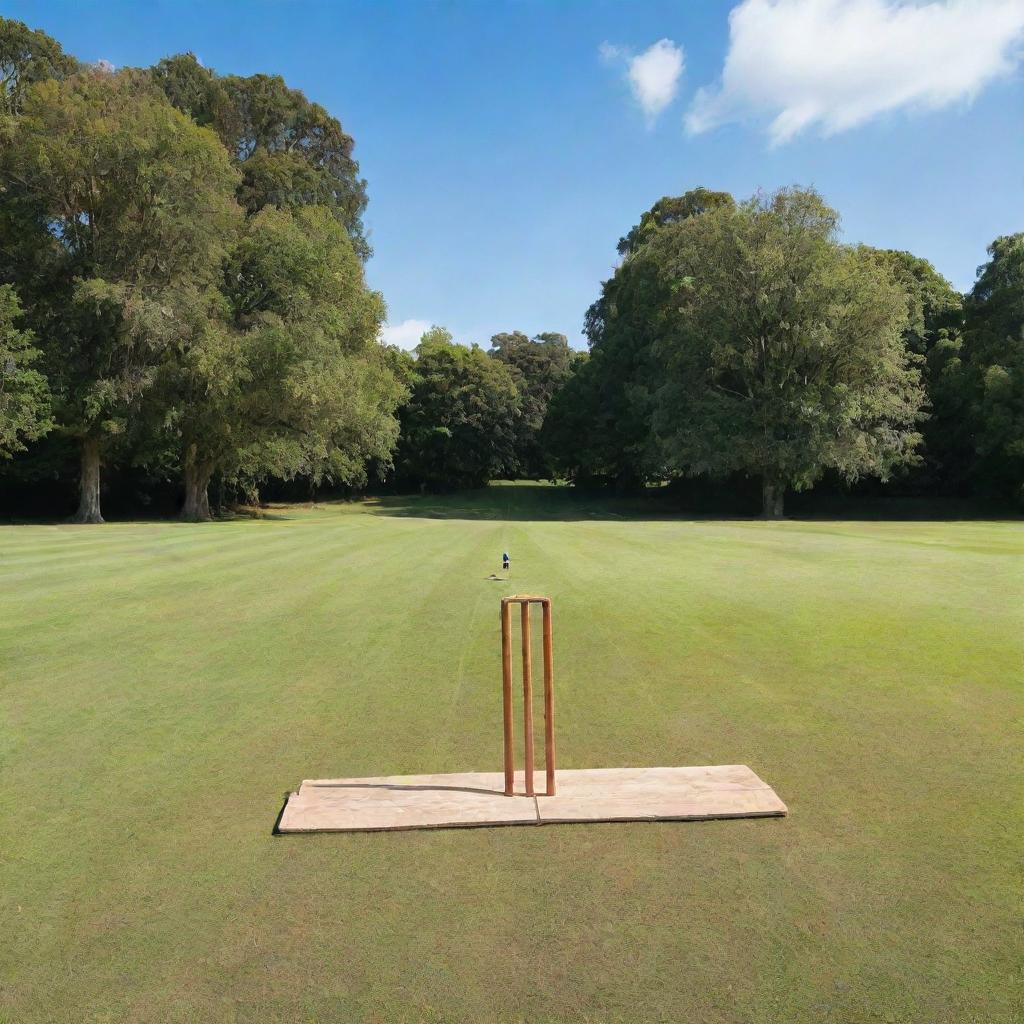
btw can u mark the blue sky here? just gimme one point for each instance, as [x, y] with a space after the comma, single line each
[508, 146]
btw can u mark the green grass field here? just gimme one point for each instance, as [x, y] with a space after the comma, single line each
[163, 685]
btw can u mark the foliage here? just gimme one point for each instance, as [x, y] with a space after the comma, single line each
[182, 289]
[995, 307]
[291, 152]
[782, 351]
[746, 339]
[600, 427]
[569, 424]
[934, 332]
[193, 89]
[24, 392]
[597, 428]
[27, 57]
[540, 366]
[162, 321]
[670, 210]
[459, 427]
[286, 376]
[994, 351]
[934, 307]
[120, 211]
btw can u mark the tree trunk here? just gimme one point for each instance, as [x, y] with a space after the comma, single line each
[772, 498]
[89, 483]
[197, 480]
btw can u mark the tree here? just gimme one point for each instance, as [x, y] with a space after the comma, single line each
[933, 304]
[27, 57]
[118, 214]
[540, 366]
[291, 152]
[194, 90]
[24, 393]
[670, 210]
[601, 424]
[458, 428]
[782, 351]
[292, 156]
[933, 331]
[994, 353]
[286, 376]
[568, 434]
[598, 428]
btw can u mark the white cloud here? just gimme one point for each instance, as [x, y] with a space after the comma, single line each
[653, 75]
[834, 64]
[405, 335]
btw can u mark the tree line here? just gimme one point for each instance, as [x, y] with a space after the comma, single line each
[181, 258]
[743, 339]
[182, 298]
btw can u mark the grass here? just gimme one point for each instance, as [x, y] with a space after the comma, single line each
[162, 686]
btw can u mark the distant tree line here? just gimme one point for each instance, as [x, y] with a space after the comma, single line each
[742, 340]
[475, 415]
[183, 304]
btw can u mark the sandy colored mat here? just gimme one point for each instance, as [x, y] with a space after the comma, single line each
[476, 798]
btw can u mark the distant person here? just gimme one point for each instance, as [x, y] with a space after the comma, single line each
[505, 561]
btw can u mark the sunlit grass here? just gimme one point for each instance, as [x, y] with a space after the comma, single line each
[163, 685]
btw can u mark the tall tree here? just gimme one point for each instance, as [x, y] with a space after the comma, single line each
[291, 151]
[568, 435]
[601, 425]
[119, 212]
[994, 353]
[540, 366]
[782, 350]
[286, 375]
[458, 428]
[24, 391]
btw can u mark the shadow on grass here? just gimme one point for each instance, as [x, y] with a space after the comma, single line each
[529, 502]
[525, 501]
[277, 514]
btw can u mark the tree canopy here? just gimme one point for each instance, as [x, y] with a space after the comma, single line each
[782, 351]
[120, 211]
[459, 427]
[291, 152]
[24, 391]
[600, 429]
[186, 250]
[540, 366]
[27, 57]
[745, 338]
[994, 352]
[670, 210]
[286, 375]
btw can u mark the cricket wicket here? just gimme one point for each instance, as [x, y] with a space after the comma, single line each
[524, 603]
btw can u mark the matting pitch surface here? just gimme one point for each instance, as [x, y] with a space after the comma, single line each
[477, 798]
